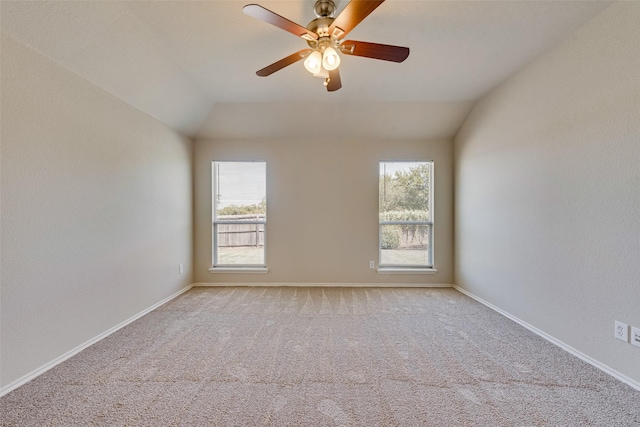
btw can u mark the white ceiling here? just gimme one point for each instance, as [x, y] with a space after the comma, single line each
[191, 64]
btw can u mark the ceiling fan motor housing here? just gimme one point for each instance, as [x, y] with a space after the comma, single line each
[320, 26]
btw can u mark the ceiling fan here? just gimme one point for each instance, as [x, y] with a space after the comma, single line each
[325, 37]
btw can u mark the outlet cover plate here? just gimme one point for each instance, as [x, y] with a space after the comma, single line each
[622, 331]
[635, 336]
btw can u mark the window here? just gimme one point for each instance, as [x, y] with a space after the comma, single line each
[406, 215]
[239, 214]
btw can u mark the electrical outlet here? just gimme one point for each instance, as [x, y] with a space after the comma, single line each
[622, 331]
[635, 336]
[181, 269]
[372, 264]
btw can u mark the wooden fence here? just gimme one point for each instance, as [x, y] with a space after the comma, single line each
[236, 235]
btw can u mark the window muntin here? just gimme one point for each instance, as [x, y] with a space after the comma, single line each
[406, 214]
[239, 214]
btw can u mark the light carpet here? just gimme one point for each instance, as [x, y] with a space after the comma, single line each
[323, 357]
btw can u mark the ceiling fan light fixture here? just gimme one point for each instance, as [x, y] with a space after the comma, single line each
[330, 59]
[313, 63]
[323, 74]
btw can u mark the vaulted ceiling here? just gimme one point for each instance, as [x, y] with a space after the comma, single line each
[191, 64]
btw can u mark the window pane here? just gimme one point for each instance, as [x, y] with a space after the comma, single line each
[404, 245]
[239, 205]
[404, 191]
[241, 190]
[240, 244]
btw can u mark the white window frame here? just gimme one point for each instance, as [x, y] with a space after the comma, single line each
[408, 268]
[226, 268]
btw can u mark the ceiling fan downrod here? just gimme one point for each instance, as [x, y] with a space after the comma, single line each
[324, 9]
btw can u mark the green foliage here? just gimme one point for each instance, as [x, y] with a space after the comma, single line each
[391, 237]
[404, 196]
[260, 208]
[405, 235]
[405, 190]
[406, 215]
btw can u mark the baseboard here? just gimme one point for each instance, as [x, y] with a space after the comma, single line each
[44, 368]
[328, 285]
[606, 369]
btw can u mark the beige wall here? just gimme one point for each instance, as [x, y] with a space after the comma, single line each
[96, 211]
[322, 204]
[548, 191]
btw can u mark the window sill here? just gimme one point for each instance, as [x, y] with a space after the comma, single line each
[214, 270]
[400, 270]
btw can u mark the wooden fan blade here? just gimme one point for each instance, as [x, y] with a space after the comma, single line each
[272, 18]
[352, 15]
[284, 62]
[334, 81]
[375, 50]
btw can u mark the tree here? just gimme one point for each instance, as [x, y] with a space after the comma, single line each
[405, 190]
